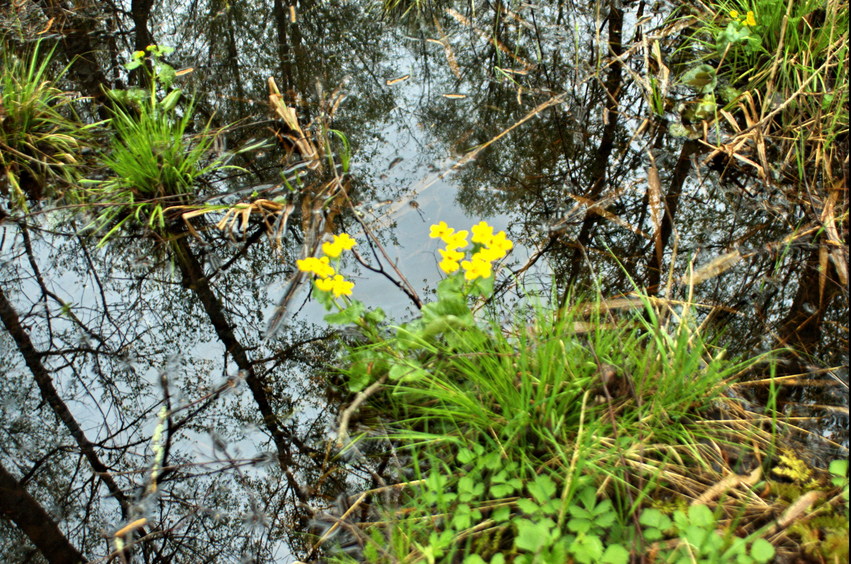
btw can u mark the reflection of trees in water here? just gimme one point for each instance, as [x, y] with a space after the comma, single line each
[549, 171]
[147, 312]
[130, 330]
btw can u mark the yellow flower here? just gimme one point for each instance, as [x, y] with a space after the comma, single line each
[482, 233]
[455, 241]
[337, 285]
[138, 54]
[451, 255]
[734, 14]
[345, 241]
[476, 268]
[750, 20]
[501, 242]
[440, 230]
[489, 254]
[325, 284]
[318, 266]
[449, 266]
[341, 242]
[342, 287]
[151, 47]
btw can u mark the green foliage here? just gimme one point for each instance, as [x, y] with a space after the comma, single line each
[153, 159]
[40, 137]
[512, 436]
[788, 58]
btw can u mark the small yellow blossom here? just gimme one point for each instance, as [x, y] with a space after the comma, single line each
[337, 285]
[440, 231]
[451, 254]
[138, 54]
[482, 233]
[318, 266]
[489, 254]
[151, 47]
[734, 14]
[341, 286]
[750, 20]
[501, 242]
[341, 242]
[476, 268]
[455, 241]
[449, 266]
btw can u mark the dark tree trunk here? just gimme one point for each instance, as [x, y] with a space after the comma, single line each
[672, 202]
[194, 279]
[597, 170]
[31, 518]
[49, 394]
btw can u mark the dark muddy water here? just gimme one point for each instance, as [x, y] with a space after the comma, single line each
[520, 115]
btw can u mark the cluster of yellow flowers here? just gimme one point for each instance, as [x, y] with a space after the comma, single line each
[327, 279]
[748, 19]
[489, 247]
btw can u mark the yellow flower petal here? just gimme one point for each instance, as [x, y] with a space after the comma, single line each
[734, 14]
[331, 249]
[476, 269]
[440, 230]
[325, 284]
[482, 233]
[456, 241]
[344, 241]
[451, 254]
[341, 286]
[449, 266]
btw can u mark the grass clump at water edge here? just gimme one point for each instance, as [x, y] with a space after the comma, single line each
[577, 435]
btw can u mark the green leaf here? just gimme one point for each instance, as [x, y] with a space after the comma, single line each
[542, 489]
[346, 316]
[462, 517]
[527, 506]
[615, 554]
[762, 551]
[587, 549]
[374, 316]
[706, 107]
[166, 75]
[451, 287]
[579, 525]
[502, 490]
[695, 535]
[701, 516]
[839, 468]
[501, 514]
[170, 101]
[408, 372]
[465, 456]
[655, 518]
[474, 559]
[469, 488]
[532, 536]
[701, 77]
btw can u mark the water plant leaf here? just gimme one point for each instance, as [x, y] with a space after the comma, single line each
[701, 77]
[170, 101]
[346, 316]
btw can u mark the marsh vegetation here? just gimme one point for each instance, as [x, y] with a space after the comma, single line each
[424, 282]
